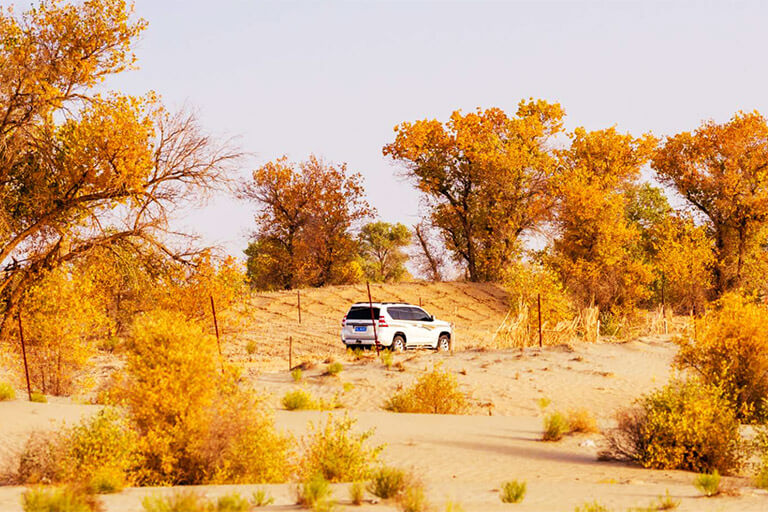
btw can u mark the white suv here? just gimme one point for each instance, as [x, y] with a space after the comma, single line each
[398, 326]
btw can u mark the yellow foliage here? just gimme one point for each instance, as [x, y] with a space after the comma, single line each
[729, 349]
[685, 425]
[335, 452]
[63, 315]
[436, 392]
[194, 424]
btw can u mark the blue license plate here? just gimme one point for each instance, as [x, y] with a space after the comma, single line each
[360, 328]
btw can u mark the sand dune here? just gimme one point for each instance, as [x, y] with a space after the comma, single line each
[466, 458]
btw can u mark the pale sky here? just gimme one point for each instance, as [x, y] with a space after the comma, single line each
[333, 78]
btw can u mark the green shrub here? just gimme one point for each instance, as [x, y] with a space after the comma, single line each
[555, 426]
[730, 352]
[39, 398]
[413, 499]
[708, 483]
[315, 493]
[297, 374]
[513, 491]
[357, 493]
[336, 453]
[436, 392]
[232, 502]
[6, 391]
[58, 499]
[298, 400]
[251, 347]
[387, 482]
[685, 425]
[334, 368]
[594, 506]
[178, 501]
[261, 498]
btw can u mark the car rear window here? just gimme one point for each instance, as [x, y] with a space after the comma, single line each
[362, 313]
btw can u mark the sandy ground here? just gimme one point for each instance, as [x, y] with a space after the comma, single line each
[465, 458]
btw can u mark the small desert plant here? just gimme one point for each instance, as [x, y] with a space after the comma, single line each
[297, 374]
[387, 482]
[61, 499]
[6, 391]
[413, 499]
[581, 420]
[357, 493]
[453, 506]
[232, 502]
[708, 483]
[260, 498]
[336, 453]
[178, 501]
[348, 386]
[436, 392]
[685, 425]
[39, 397]
[387, 359]
[315, 493]
[334, 368]
[106, 481]
[594, 506]
[299, 400]
[543, 403]
[251, 347]
[555, 426]
[513, 491]
[666, 502]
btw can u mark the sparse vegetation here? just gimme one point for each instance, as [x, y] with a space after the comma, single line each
[435, 392]
[555, 426]
[251, 347]
[39, 398]
[357, 493]
[297, 374]
[177, 501]
[513, 491]
[315, 493]
[685, 425]
[299, 399]
[232, 502]
[107, 480]
[336, 453]
[708, 483]
[413, 499]
[388, 482]
[58, 499]
[581, 420]
[260, 498]
[594, 506]
[387, 359]
[334, 368]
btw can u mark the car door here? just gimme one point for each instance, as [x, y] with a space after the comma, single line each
[423, 326]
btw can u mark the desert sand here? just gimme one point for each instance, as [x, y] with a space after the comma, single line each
[464, 458]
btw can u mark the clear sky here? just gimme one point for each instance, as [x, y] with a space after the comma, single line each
[333, 78]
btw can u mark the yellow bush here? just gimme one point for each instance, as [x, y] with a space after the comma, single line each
[103, 443]
[730, 351]
[338, 454]
[436, 392]
[63, 499]
[685, 425]
[194, 424]
[581, 420]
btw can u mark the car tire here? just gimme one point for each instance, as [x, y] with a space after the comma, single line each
[443, 343]
[398, 344]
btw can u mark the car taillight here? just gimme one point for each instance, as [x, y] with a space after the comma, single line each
[344, 321]
[382, 321]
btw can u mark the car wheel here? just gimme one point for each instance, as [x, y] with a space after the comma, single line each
[398, 344]
[444, 343]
